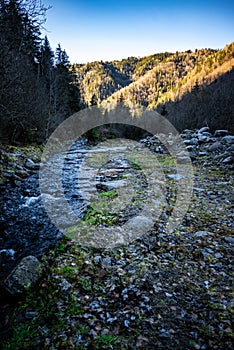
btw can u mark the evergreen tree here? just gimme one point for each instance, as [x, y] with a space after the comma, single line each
[94, 100]
[164, 112]
[46, 58]
[19, 97]
[196, 88]
[67, 95]
[120, 98]
[35, 94]
[48, 81]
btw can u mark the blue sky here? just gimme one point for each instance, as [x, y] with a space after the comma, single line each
[92, 30]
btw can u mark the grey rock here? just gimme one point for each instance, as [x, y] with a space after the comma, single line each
[217, 145]
[194, 141]
[6, 253]
[175, 177]
[7, 175]
[158, 149]
[203, 233]
[112, 185]
[208, 134]
[97, 259]
[228, 160]
[106, 262]
[203, 138]
[187, 142]
[221, 156]
[192, 155]
[213, 139]
[204, 129]
[219, 133]
[139, 224]
[183, 160]
[65, 285]
[19, 167]
[31, 165]
[231, 148]
[17, 182]
[22, 174]
[198, 189]
[229, 240]
[190, 148]
[228, 139]
[16, 155]
[25, 274]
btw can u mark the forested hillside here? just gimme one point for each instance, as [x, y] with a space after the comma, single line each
[191, 88]
[36, 86]
[99, 80]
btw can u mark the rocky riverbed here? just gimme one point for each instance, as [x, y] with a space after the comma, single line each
[159, 291]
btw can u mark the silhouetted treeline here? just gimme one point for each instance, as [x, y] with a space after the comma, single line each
[37, 89]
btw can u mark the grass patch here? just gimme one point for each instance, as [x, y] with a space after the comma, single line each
[108, 194]
[135, 166]
[98, 217]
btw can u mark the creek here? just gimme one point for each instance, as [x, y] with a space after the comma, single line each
[25, 227]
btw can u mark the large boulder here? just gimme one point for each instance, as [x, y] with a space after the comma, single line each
[26, 274]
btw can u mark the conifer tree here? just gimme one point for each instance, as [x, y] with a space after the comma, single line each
[164, 112]
[67, 96]
[19, 97]
[35, 94]
[196, 88]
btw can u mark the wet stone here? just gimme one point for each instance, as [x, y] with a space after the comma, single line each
[23, 276]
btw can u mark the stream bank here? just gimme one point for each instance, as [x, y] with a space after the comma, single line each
[159, 292]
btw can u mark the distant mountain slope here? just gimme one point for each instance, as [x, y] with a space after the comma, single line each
[170, 79]
[191, 87]
[99, 80]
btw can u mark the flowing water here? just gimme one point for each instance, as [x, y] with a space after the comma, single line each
[25, 227]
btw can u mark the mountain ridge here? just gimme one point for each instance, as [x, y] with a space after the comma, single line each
[161, 80]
